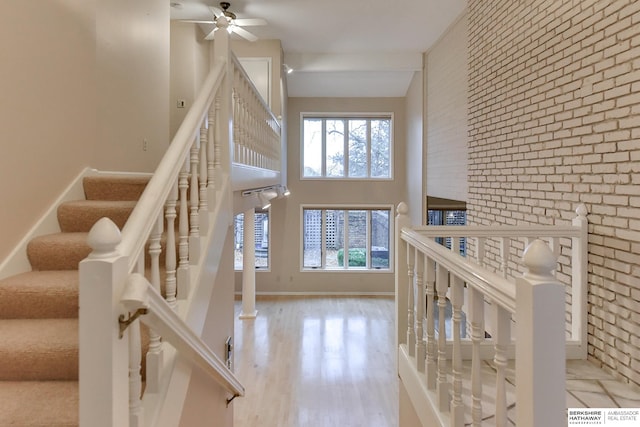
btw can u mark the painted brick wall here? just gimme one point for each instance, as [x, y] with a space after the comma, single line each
[554, 120]
[446, 115]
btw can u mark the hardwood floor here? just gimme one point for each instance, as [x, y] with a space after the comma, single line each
[314, 362]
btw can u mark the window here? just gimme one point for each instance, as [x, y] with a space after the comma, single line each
[261, 239]
[347, 147]
[346, 238]
[448, 217]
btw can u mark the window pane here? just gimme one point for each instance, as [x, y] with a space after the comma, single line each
[312, 129]
[381, 148]
[334, 235]
[238, 227]
[380, 239]
[262, 240]
[312, 239]
[335, 148]
[357, 238]
[358, 156]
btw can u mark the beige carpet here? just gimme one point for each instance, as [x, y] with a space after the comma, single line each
[39, 310]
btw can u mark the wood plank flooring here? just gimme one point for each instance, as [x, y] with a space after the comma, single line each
[315, 362]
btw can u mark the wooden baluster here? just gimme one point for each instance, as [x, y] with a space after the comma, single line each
[402, 221]
[455, 245]
[203, 206]
[183, 234]
[154, 355]
[442, 386]
[421, 347]
[170, 260]
[457, 299]
[505, 250]
[476, 315]
[194, 216]
[211, 151]
[236, 125]
[136, 411]
[480, 250]
[411, 336]
[217, 142]
[502, 328]
[431, 336]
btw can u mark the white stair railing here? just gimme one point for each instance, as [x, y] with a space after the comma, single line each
[472, 296]
[188, 201]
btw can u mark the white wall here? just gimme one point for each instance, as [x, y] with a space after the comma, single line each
[189, 68]
[415, 172]
[261, 49]
[132, 60]
[285, 275]
[446, 159]
[48, 107]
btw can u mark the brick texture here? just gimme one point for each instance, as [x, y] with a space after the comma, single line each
[554, 121]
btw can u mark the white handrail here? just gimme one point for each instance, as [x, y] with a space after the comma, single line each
[138, 226]
[496, 287]
[533, 303]
[140, 295]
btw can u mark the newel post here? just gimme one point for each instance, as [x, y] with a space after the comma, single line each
[579, 280]
[104, 357]
[400, 268]
[540, 341]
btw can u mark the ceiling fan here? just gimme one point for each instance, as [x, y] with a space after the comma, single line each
[235, 24]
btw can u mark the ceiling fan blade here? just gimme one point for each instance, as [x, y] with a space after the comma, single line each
[195, 21]
[249, 22]
[244, 33]
[217, 12]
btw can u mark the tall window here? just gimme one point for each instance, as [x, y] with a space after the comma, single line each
[344, 238]
[347, 147]
[261, 239]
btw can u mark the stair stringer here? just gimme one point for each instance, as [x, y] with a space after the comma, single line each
[165, 408]
[17, 261]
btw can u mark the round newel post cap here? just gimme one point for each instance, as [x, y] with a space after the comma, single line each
[103, 238]
[402, 209]
[539, 259]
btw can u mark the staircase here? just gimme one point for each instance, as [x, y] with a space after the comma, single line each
[39, 310]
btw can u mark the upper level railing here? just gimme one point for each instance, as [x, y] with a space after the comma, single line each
[488, 307]
[153, 271]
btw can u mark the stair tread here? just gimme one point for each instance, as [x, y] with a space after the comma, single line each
[114, 187]
[40, 294]
[39, 349]
[81, 215]
[58, 251]
[39, 403]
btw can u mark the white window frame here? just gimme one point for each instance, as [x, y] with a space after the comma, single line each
[347, 116]
[345, 268]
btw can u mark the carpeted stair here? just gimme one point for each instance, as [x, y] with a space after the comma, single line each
[39, 310]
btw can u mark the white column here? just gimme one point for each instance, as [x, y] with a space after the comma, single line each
[249, 266]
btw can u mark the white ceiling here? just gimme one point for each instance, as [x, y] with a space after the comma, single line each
[347, 48]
